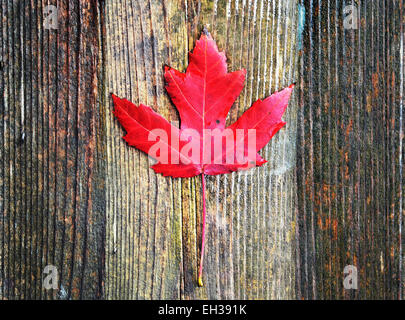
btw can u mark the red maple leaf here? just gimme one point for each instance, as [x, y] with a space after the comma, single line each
[203, 145]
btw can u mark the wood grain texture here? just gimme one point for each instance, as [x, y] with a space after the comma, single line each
[50, 198]
[153, 223]
[350, 152]
[74, 195]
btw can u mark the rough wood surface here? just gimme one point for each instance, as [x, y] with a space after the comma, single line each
[154, 223]
[350, 152]
[74, 195]
[50, 140]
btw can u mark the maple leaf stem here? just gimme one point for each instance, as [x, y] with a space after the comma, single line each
[200, 282]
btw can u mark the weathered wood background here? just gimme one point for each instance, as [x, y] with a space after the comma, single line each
[153, 223]
[74, 195]
[350, 153]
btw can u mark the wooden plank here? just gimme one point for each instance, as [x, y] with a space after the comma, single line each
[350, 151]
[51, 197]
[153, 223]
[74, 195]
